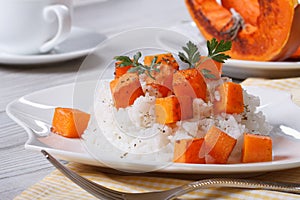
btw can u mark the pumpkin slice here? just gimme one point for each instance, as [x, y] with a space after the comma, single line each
[249, 13]
[274, 36]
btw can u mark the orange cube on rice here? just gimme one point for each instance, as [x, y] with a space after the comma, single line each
[188, 151]
[230, 99]
[164, 59]
[125, 90]
[171, 109]
[189, 82]
[121, 70]
[162, 81]
[167, 110]
[186, 107]
[213, 67]
[218, 146]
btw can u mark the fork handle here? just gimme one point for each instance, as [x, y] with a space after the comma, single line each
[237, 183]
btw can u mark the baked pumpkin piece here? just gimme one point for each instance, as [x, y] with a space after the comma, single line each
[165, 59]
[120, 70]
[256, 148]
[218, 146]
[229, 98]
[272, 34]
[213, 67]
[167, 110]
[189, 82]
[249, 13]
[296, 54]
[125, 90]
[162, 81]
[188, 151]
[69, 122]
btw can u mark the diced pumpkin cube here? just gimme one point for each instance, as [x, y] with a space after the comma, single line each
[188, 151]
[164, 59]
[125, 90]
[186, 107]
[229, 98]
[162, 80]
[256, 148]
[160, 90]
[167, 110]
[189, 82]
[69, 122]
[212, 67]
[218, 146]
[120, 70]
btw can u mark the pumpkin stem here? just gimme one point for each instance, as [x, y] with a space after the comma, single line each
[236, 22]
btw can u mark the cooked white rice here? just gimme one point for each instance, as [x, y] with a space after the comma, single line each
[133, 134]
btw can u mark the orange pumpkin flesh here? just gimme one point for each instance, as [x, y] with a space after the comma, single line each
[272, 37]
[249, 13]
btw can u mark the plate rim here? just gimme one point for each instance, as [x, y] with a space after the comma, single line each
[266, 65]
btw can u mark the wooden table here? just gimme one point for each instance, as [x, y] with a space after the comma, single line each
[20, 168]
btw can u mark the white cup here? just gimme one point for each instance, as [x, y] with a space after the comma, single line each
[33, 26]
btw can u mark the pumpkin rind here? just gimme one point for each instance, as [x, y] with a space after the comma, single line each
[296, 54]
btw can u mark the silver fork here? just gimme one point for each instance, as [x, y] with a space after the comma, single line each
[102, 192]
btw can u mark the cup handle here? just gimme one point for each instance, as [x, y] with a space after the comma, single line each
[63, 15]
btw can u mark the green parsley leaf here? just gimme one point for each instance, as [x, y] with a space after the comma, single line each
[191, 55]
[216, 48]
[137, 56]
[125, 60]
[207, 74]
[137, 66]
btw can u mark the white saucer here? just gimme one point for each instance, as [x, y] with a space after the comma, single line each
[80, 43]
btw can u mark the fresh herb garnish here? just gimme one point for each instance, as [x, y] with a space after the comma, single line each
[215, 52]
[193, 55]
[216, 48]
[137, 66]
[207, 74]
[126, 61]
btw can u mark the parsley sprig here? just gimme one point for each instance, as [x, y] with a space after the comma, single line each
[191, 54]
[216, 48]
[137, 66]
